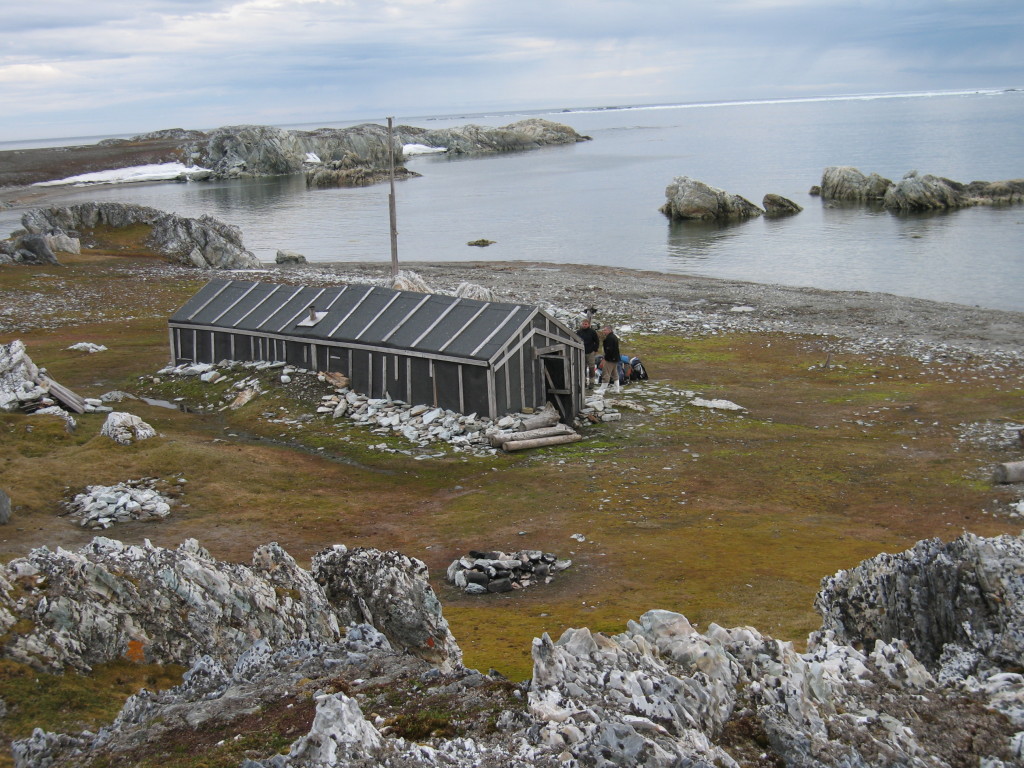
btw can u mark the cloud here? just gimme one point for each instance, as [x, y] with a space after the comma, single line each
[151, 64]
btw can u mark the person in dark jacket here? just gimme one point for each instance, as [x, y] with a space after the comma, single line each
[591, 341]
[612, 356]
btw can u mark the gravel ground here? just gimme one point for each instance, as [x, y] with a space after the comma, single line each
[649, 302]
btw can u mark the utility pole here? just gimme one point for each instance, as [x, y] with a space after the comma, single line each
[391, 202]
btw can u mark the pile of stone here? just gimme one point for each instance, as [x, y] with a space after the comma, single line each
[481, 572]
[100, 506]
[420, 424]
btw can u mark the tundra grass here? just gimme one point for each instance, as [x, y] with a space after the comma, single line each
[727, 517]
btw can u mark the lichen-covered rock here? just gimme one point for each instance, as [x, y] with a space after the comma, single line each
[474, 139]
[205, 242]
[18, 375]
[777, 205]
[391, 592]
[967, 593]
[690, 199]
[925, 193]
[126, 428]
[659, 694]
[289, 257]
[110, 600]
[844, 182]
[34, 249]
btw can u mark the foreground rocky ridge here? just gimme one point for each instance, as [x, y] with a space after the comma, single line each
[659, 694]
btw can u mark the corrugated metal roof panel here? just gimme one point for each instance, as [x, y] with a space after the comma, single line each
[373, 316]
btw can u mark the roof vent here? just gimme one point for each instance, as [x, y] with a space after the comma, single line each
[313, 317]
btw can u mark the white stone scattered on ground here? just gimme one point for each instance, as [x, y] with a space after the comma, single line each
[88, 346]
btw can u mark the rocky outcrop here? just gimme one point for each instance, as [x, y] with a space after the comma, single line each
[689, 199]
[356, 155]
[205, 242]
[111, 600]
[941, 599]
[777, 205]
[925, 193]
[474, 139]
[660, 693]
[916, 192]
[844, 182]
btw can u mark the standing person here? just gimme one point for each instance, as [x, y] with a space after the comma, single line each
[591, 341]
[612, 358]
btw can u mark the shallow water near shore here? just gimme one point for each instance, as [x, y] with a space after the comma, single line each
[597, 202]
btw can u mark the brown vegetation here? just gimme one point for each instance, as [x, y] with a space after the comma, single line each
[726, 517]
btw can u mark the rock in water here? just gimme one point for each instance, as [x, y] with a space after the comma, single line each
[925, 193]
[777, 205]
[688, 198]
[844, 182]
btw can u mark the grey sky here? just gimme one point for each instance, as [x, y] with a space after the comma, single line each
[113, 67]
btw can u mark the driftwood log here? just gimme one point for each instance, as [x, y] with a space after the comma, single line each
[539, 442]
[498, 439]
[546, 418]
[1011, 472]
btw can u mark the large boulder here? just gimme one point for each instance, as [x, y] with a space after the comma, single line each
[34, 249]
[126, 428]
[843, 182]
[18, 377]
[925, 193]
[206, 243]
[690, 199]
[937, 597]
[391, 592]
[777, 205]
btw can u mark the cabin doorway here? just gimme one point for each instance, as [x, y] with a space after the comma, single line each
[558, 385]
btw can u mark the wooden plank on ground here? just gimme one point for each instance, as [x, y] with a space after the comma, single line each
[63, 395]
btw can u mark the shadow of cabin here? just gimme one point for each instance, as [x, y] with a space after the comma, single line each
[464, 355]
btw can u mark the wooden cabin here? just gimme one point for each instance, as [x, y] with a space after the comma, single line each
[464, 355]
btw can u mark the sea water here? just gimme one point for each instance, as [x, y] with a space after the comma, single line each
[596, 202]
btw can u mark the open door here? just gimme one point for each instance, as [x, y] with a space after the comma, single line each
[558, 385]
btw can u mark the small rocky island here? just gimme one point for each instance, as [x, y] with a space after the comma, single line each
[350, 156]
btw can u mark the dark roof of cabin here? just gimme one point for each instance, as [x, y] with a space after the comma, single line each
[359, 314]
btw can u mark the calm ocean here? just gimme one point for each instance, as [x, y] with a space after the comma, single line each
[597, 202]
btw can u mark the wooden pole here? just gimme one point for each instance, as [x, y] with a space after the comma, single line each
[391, 202]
